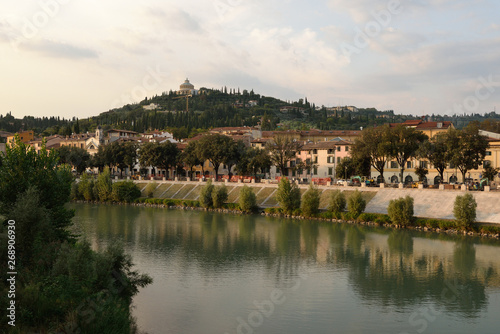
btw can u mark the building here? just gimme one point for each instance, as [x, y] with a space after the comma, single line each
[52, 142]
[25, 137]
[187, 88]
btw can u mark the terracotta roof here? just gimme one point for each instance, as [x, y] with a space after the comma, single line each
[118, 130]
[324, 145]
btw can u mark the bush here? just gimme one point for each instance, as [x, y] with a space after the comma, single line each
[103, 186]
[367, 217]
[206, 194]
[150, 188]
[288, 195]
[310, 201]
[86, 187]
[75, 194]
[401, 210]
[356, 204]
[337, 202]
[465, 210]
[219, 196]
[125, 191]
[248, 200]
[297, 212]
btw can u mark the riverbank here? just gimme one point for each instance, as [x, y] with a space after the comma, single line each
[377, 220]
[428, 203]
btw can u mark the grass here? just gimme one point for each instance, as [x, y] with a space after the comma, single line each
[233, 196]
[184, 191]
[264, 193]
[172, 190]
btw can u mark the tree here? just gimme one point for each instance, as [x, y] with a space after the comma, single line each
[235, 150]
[373, 144]
[281, 150]
[337, 202]
[464, 210]
[310, 201]
[163, 156]
[22, 168]
[467, 148]
[401, 210]
[248, 200]
[356, 204]
[421, 172]
[490, 173]
[103, 186]
[219, 196]
[404, 144]
[74, 156]
[436, 151]
[149, 154]
[206, 194]
[345, 169]
[288, 195]
[214, 148]
[190, 157]
[168, 155]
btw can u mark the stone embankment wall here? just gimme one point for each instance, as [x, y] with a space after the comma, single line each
[428, 203]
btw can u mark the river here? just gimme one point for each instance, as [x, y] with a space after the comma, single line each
[216, 273]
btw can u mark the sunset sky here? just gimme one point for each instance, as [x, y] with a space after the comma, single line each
[79, 58]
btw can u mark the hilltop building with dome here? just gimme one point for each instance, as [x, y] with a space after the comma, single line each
[187, 88]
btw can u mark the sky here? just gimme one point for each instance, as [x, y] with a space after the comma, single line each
[75, 58]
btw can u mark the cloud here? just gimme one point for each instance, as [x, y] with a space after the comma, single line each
[59, 49]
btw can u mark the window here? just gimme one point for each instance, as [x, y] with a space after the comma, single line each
[347, 148]
[330, 160]
[330, 151]
[486, 163]
[338, 160]
[408, 164]
[315, 151]
[315, 171]
[394, 164]
[315, 160]
[488, 152]
[338, 148]
[330, 171]
[423, 164]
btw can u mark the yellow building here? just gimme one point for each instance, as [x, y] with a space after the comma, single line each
[25, 137]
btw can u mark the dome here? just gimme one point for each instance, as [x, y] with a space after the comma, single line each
[187, 85]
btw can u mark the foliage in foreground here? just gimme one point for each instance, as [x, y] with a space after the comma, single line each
[337, 202]
[62, 286]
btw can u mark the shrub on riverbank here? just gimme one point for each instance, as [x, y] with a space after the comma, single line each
[356, 204]
[219, 196]
[464, 210]
[206, 194]
[337, 202]
[125, 191]
[248, 200]
[401, 211]
[288, 195]
[86, 187]
[103, 186]
[310, 201]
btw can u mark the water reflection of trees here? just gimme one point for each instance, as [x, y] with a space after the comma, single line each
[390, 274]
[394, 277]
